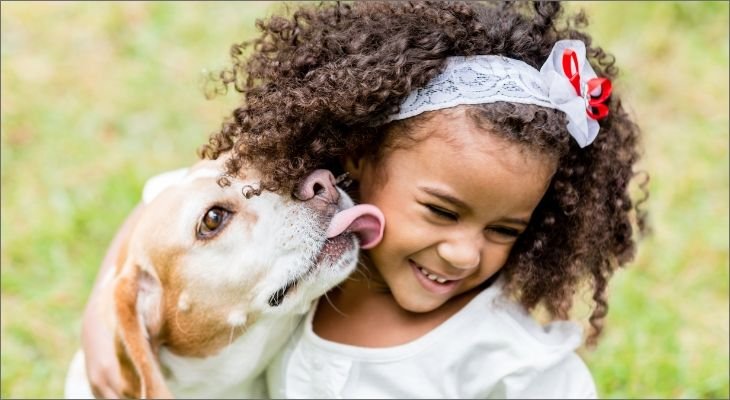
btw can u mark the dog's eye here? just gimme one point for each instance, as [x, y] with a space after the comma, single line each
[212, 221]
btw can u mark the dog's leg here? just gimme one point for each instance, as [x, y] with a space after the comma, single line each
[138, 298]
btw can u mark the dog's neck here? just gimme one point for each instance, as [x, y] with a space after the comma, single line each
[237, 369]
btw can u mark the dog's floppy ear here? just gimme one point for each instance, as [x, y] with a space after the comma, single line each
[138, 305]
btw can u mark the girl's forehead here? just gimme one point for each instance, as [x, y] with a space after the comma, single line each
[452, 133]
[485, 171]
[452, 126]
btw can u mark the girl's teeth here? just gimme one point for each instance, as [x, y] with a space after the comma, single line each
[431, 276]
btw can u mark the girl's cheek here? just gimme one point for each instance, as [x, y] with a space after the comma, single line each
[496, 256]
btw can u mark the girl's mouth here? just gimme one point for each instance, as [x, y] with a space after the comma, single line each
[432, 276]
[433, 282]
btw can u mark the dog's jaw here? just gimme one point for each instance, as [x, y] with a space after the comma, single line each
[319, 263]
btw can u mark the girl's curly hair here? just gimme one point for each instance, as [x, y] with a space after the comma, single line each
[315, 82]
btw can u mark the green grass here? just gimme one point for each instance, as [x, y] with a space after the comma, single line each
[97, 98]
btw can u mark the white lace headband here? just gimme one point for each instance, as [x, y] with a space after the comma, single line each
[566, 82]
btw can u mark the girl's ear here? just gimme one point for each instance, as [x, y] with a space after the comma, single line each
[354, 167]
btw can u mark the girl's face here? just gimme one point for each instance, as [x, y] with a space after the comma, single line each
[454, 203]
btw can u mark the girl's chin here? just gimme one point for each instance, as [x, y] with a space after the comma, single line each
[419, 304]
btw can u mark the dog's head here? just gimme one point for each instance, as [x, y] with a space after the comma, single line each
[204, 261]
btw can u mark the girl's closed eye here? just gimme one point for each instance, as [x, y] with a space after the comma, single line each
[442, 212]
[505, 231]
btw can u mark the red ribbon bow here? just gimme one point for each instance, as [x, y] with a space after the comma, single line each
[595, 107]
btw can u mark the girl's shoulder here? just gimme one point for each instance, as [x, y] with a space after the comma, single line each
[535, 360]
[498, 316]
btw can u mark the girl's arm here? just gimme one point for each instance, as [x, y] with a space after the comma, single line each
[97, 340]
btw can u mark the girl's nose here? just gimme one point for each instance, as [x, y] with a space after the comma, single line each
[319, 183]
[462, 253]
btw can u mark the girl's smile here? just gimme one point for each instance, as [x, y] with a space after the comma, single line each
[455, 201]
[432, 282]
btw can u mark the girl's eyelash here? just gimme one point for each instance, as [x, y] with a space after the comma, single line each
[505, 231]
[443, 213]
[450, 215]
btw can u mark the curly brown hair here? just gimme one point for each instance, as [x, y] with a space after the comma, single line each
[315, 82]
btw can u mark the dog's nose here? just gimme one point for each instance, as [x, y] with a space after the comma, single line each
[320, 183]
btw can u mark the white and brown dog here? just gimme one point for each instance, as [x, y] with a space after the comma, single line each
[210, 284]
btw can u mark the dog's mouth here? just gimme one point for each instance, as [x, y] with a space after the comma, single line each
[278, 296]
[365, 221]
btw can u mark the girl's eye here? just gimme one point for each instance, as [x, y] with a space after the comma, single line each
[505, 231]
[213, 220]
[442, 213]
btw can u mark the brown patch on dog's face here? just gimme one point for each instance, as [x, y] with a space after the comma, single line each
[197, 323]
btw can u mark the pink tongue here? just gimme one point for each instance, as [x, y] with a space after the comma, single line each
[366, 220]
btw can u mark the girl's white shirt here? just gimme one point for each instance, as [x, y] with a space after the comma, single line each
[491, 348]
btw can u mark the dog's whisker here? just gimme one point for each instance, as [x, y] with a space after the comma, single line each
[362, 269]
[333, 305]
[372, 284]
[343, 179]
[177, 322]
[230, 338]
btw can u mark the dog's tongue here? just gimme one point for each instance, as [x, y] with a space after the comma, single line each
[366, 220]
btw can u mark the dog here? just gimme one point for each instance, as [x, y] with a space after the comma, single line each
[210, 284]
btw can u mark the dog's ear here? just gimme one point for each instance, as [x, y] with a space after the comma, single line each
[138, 305]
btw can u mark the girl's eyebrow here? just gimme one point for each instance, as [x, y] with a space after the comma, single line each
[446, 197]
[456, 202]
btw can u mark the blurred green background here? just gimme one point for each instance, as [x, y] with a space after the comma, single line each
[97, 97]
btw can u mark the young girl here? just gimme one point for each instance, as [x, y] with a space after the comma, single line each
[492, 141]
